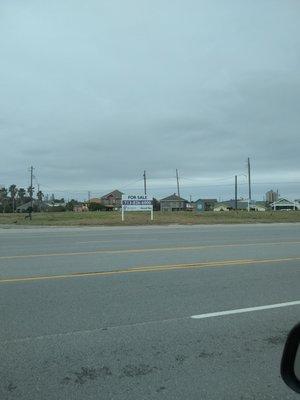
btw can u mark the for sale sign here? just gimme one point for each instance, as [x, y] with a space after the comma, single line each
[135, 202]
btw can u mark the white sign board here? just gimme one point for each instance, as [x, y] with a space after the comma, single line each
[136, 202]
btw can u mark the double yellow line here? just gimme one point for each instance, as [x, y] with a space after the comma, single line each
[144, 250]
[153, 268]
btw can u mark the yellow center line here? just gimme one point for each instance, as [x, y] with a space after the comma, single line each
[152, 268]
[143, 250]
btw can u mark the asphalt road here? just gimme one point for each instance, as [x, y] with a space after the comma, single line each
[109, 313]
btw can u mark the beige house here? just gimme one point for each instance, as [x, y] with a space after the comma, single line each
[221, 207]
[95, 200]
[173, 203]
[80, 208]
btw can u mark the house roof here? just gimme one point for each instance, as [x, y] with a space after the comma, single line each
[173, 197]
[114, 193]
[283, 201]
[208, 200]
[95, 200]
[260, 203]
[26, 205]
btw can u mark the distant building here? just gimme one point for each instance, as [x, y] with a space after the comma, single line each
[221, 207]
[112, 200]
[241, 205]
[259, 206]
[95, 200]
[284, 204]
[271, 196]
[205, 204]
[173, 203]
[191, 206]
[37, 205]
[80, 208]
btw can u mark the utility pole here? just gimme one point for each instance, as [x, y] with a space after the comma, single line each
[177, 179]
[89, 196]
[249, 183]
[145, 183]
[235, 193]
[31, 193]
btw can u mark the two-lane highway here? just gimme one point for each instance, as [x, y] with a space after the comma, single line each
[196, 312]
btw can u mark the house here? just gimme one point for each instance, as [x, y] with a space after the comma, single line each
[80, 208]
[284, 204]
[221, 207]
[260, 206]
[242, 205]
[24, 207]
[112, 200]
[95, 200]
[173, 203]
[36, 205]
[205, 204]
[191, 206]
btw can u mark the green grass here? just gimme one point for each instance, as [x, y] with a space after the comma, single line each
[94, 218]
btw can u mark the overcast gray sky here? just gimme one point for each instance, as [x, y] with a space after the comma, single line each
[93, 92]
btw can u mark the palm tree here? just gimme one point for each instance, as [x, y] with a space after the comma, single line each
[40, 196]
[21, 195]
[3, 197]
[13, 191]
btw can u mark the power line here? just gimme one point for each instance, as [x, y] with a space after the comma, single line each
[182, 185]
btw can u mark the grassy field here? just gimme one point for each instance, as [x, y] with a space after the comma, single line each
[114, 218]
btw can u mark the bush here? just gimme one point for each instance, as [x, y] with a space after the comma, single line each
[96, 207]
[70, 205]
[57, 209]
[7, 208]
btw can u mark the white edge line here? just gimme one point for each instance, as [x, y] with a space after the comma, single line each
[245, 310]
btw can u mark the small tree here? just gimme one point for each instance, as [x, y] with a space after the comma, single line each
[96, 207]
[40, 196]
[70, 205]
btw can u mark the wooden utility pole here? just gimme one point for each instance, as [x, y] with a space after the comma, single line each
[235, 193]
[145, 183]
[177, 179]
[31, 193]
[249, 184]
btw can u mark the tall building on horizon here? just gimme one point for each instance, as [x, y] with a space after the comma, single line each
[272, 196]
